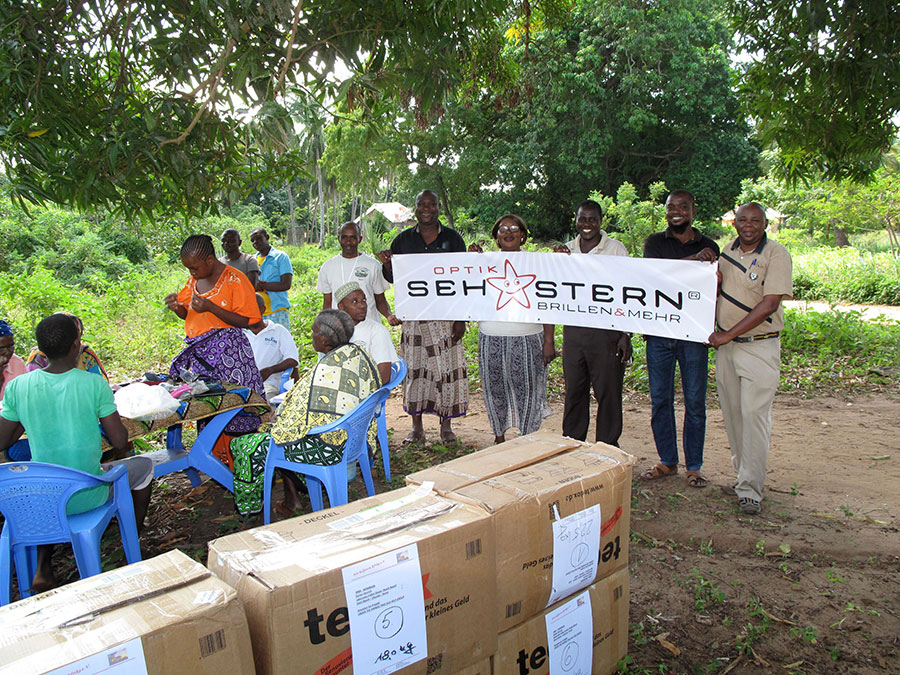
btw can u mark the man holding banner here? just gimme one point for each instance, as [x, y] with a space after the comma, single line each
[680, 241]
[593, 358]
[755, 275]
[437, 382]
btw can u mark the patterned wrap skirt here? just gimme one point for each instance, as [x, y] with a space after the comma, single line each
[437, 381]
[514, 381]
[223, 354]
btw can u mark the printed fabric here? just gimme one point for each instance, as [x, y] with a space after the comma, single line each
[437, 381]
[336, 385]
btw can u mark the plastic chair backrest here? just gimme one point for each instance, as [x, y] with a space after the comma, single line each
[398, 372]
[33, 498]
[355, 422]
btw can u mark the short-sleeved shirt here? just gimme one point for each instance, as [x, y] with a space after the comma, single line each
[271, 267]
[233, 291]
[61, 413]
[363, 269]
[666, 245]
[410, 241]
[607, 246]
[246, 263]
[749, 276]
[375, 339]
[273, 344]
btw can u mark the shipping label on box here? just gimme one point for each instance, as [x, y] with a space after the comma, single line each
[528, 650]
[526, 502]
[290, 576]
[164, 615]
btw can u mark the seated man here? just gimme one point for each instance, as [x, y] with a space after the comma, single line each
[59, 407]
[273, 348]
[368, 333]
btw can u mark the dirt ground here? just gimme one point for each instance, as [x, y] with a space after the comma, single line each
[810, 586]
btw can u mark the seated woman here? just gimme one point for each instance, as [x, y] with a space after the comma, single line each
[216, 303]
[337, 383]
[513, 357]
[88, 360]
[11, 366]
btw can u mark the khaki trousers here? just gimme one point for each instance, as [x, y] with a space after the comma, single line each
[747, 378]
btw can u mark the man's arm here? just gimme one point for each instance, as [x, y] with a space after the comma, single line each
[10, 432]
[326, 300]
[384, 308]
[764, 308]
[706, 255]
[115, 431]
[549, 349]
[253, 276]
[286, 364]
[283, 285]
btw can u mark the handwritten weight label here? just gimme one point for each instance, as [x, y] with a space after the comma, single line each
[576, 549]
[384, 605]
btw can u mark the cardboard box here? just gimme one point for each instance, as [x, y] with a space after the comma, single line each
[523, 650]
[523, 503]
[289, 576]
[483, 667]
[494, 461]
[170, 608]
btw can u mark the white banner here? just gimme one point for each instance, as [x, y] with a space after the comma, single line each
[667, 298]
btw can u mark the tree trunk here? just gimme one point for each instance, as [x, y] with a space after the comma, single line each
[293, 236]
[840, 234]
[445, 203]
[321, 201]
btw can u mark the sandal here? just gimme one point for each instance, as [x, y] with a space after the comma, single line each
[696, 479]
[659, 471]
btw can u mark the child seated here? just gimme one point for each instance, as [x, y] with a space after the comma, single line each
[58, 407]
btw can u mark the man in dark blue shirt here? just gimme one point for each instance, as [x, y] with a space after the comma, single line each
[680, 241]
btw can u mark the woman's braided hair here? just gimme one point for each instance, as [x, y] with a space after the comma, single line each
[336, 326]
[199, 246]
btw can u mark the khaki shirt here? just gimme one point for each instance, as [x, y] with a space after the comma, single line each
[747, 277]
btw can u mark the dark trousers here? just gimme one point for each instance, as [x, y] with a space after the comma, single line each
[590, 362]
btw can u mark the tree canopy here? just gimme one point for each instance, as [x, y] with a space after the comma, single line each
[823, 81]
[139, 105]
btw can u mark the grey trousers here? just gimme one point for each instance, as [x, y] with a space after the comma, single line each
[747, 378]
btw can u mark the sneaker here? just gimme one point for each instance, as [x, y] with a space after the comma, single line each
[749, 506]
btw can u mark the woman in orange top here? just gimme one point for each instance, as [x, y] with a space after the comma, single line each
[216, 303]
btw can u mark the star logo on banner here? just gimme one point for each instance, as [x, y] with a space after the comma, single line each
[512, 286]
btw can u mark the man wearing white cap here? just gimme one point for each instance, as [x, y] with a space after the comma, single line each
[369, 334]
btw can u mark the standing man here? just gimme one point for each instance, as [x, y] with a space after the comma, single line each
[234, 256]
[275, 276]
[437, 382]
[754, 276]
[680, 241]
[351, 265]
[593, 358]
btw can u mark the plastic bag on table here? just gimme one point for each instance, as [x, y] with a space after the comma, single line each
[145, 403]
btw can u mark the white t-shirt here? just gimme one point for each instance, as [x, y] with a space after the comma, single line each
[273, 344]
[363, 269]
[509, 328]
[376, 340]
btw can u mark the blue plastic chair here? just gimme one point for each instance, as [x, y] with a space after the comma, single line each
[398, 372]
[33, 498]
[334, 478]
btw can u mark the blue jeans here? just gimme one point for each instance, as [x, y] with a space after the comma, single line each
[692, 358]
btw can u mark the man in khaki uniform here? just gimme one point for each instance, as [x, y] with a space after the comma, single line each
[754, 275]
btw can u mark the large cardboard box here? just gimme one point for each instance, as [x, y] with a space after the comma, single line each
[524, 502]
[523, 650]
[498, 459]
[289, 576]
[170, 611]
[483, 667]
